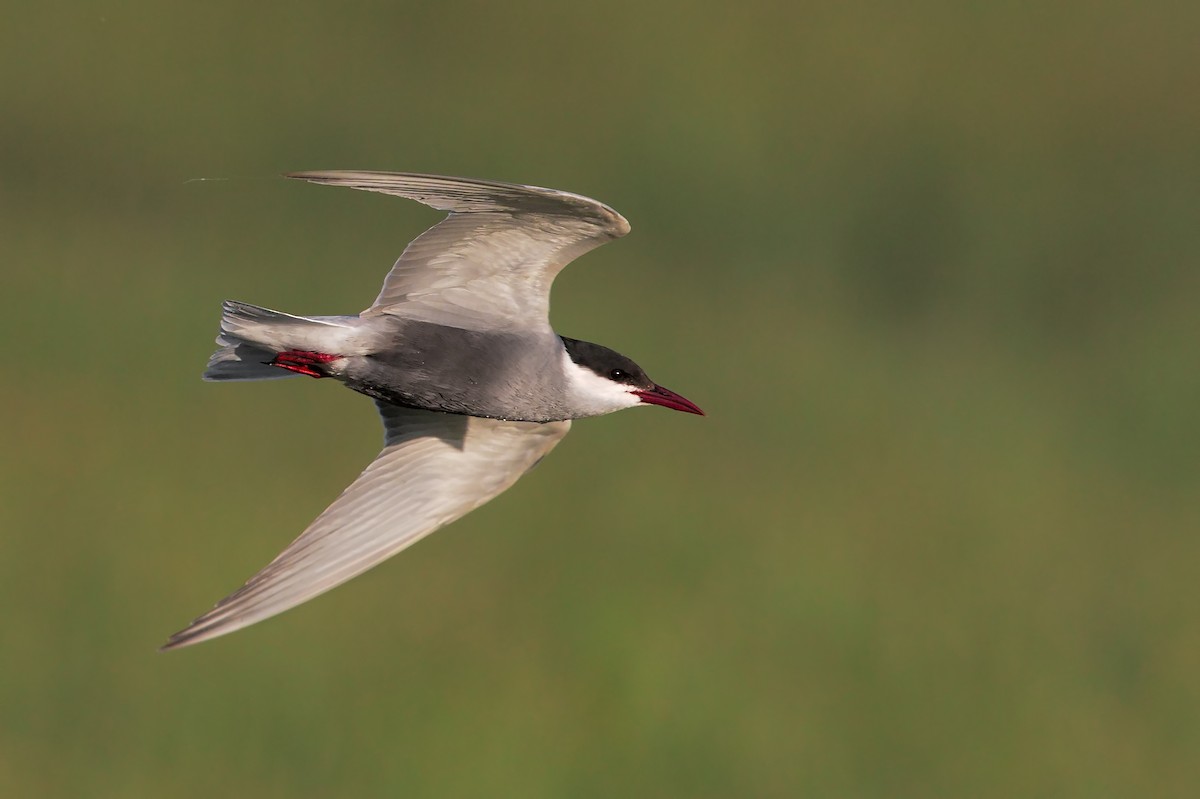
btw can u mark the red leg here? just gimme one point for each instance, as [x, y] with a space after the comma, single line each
[305, 363]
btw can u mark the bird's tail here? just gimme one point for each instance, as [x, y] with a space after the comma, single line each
[251, 337]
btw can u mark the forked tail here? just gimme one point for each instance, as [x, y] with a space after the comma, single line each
[251, 337]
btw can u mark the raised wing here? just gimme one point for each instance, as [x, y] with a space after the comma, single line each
[433, 469]
[490, 263]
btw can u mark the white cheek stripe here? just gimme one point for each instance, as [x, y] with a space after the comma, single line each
[593, 394]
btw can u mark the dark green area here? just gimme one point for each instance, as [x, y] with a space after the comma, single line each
[932, 270]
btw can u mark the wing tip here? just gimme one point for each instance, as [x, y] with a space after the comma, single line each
[196, 633]
[211, 625]
[319, 175]
[492, 190]
[179, 640]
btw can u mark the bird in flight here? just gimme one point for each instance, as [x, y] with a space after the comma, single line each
[473, 385]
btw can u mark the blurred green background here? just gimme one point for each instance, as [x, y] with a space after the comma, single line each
[931, 270]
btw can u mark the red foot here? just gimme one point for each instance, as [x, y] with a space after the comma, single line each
[305, 363]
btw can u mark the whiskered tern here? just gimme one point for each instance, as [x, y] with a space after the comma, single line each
[473, 385]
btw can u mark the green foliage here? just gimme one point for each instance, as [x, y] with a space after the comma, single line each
[931, 271]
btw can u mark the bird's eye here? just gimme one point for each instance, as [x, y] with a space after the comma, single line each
[618, 374]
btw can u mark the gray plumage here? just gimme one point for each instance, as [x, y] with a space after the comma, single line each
[472, 384]
[512, 375]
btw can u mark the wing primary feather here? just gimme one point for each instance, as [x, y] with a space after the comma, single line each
[467, 195]
[490, 264]
[434, 469]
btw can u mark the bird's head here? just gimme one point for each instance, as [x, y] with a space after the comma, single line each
[603, 380]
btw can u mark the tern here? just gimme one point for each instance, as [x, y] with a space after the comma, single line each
[473, 385]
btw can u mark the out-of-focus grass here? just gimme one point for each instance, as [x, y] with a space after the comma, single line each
[931, 272]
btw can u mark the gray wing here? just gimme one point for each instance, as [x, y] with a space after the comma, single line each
[490, 263]
[433, 469]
